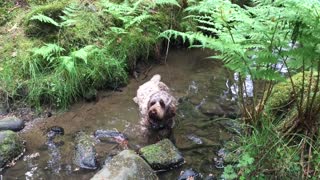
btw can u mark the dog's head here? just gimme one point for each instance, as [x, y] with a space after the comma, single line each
[161, 109]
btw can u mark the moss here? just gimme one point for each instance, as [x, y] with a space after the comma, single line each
[10, 146]
[85, 26]
[282, 94]
[53, 10]
[162, 155]
[282, 103]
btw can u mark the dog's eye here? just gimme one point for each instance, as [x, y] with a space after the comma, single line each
[162, 103]
[152, 103]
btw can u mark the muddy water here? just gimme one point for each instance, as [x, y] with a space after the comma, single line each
[194, 80]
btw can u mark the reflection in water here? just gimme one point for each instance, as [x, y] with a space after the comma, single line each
[54, 153]
[31, 165]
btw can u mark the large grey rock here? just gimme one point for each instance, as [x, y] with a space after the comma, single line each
[162, 155]
[126, 165]
[85, 152]
[11, 146]
[11, 123]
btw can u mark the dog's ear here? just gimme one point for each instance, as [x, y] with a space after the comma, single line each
[171, 111]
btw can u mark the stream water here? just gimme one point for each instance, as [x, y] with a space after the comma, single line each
[200, 84]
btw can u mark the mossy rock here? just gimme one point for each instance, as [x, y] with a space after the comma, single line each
[11, 147]
[85, 152]
[282, 96]
[126, 165]
[282, 102]
[162, 155]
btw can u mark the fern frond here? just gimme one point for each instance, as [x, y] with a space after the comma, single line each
[83, 53]
[137, 20]
[47, 51]
[45, 19]
[167, 2]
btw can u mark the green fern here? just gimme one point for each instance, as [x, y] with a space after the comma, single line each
[45, 19]
[47, 51]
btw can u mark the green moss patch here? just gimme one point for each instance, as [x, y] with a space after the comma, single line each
[162, 155]
[11, 146]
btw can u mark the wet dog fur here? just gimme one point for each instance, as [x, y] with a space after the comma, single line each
[157, 108]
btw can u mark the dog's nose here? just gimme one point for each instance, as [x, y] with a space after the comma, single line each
[153, 111]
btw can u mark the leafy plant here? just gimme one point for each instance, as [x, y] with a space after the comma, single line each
[266, 43]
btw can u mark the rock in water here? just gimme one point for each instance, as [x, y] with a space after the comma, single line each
[162, 155]
[85, 152]
[126, 165]
[11, 147]
[11, 123]
[195, 139]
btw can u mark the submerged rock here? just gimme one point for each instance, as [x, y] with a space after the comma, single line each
[11, 123]
[195, 139]
[11, 147]
[162, 155]
[126, 165]
[54, 162]
[85, 152]
[189, 174]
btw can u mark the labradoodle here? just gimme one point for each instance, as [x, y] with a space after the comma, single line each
[157, 108]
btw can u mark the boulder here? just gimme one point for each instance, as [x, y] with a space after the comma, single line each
[11, 123]
[85, 152]
[126, 165]
[162, 155]
[11, 147]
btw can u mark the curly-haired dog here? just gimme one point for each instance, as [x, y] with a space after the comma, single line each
[157, 108]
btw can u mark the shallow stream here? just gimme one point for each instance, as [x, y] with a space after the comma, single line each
[203, 88]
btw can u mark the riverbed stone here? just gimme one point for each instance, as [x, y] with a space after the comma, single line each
[85, 152]
[162, 155]
[11, 123]
[126, 165]
[11, 146]
[212, 109]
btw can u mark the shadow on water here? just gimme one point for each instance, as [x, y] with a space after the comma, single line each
[201, 85]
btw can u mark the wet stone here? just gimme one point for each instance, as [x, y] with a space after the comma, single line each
[212, 109]
[162, 155]
[11, 123]
[195, 139]
[85, 153]
[189, 174]
[126, 165]
[11, 147]
[231, 125]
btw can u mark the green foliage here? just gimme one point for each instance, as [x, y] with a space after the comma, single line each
[266, 154]
[255, 40]
[229, 173]
[69, 47]
[59, 79]
[4, 14]
[136, 28]
[44, 19]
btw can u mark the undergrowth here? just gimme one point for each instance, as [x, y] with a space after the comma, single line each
[269, 42]
[60, 50]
